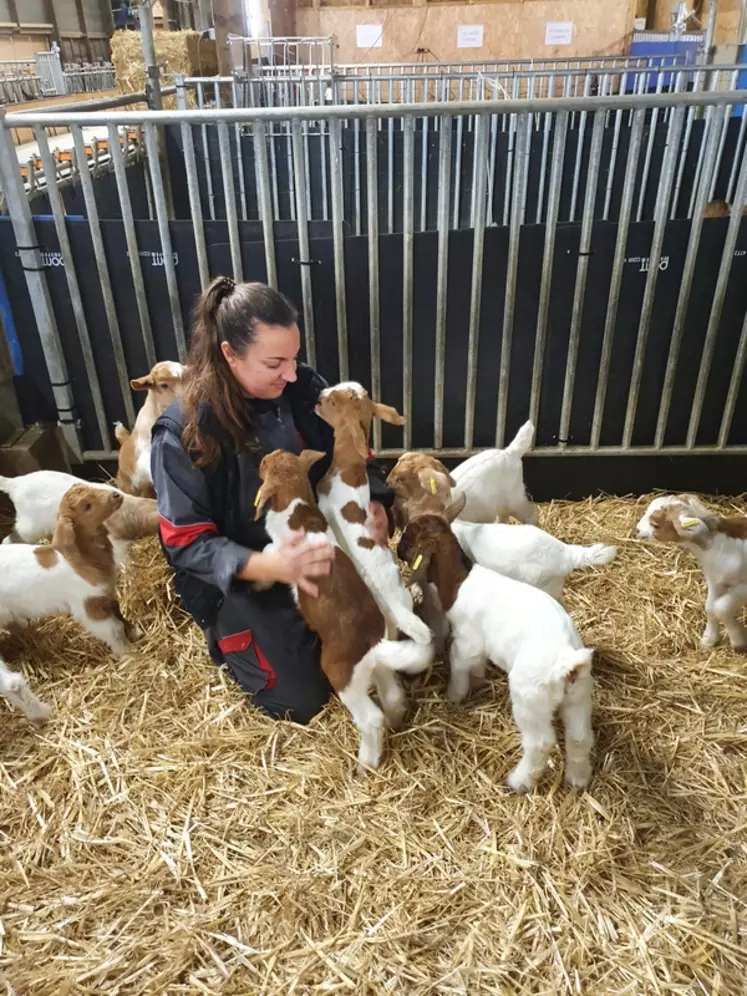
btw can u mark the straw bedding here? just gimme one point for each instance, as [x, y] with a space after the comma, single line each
[161, 837]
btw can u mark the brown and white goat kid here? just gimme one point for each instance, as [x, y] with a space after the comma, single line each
[719, 544]
[421, 484]
[163, 385]
[350, 625]
[520, 629]
[76, 573]
[345, 496]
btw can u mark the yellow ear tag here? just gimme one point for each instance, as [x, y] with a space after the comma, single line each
[258, 498]
[689, 523]
[433, 486]
[417, 561]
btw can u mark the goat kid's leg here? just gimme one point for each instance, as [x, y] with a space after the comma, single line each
[711, 633]
[727, 608]
[533, 716]
[462, 665]
[366, 715]
[102, 618]
[575, 711]
[434, 618]
[392, 698]
[16, 690]
[525, 511]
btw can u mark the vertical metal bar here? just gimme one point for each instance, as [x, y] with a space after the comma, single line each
[374, 309]
[408, 223]
[683, 160]
[291, 166]
[206, 154]
[339, 246]
[325, 193]
[491, 165]
[239, 151]
[688, 272]
[151, 151]
[579, 153]
[719, 155]
[734, 384]
[102, 268]
[719, 295]
[661, 211]
[458, 173]
[390, 173]
[442, 270]
[738, 152]
[623, 225]
[357, 173]
[553, 205]
[229, 195]
[523, 133]
[478, 247]
[613, 163]
[264, 197]
[128, 221]
[195, 204]
[543, 166]
[304, 251]
[424, 173]
[76, 301]
[582, 269]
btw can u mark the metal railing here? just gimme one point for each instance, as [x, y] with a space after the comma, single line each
[676, 114]
[262, 54]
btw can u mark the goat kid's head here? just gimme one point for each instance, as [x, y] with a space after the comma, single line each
[424, 535]
[164, 382]
[285, 476]
[675, 519]
[349, 404]
[84, 510]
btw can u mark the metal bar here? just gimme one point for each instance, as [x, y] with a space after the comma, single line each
[478, 247]
[239, 152]
[128, 221]
[374, 309]
[195, 204]
[719, 155]
[699, 166]
[461, 452]
[734, 384]
[548, 254]
[424, 175]
[458, 173]
[623, 225]
[738, 153]
[688, 272]
[164, 234]
[523, 136]
[579, 155]
[102, 268]
[719, 295]
[357, 175]
[661, 210]
[71, 276]
[390, 175]
[335, 138]
[613, 163]
[304, 250]
[229, 195]
[264, 197]
[408, 224]
[442, 270]
[206, 153]
[582, 269]
[649, 153]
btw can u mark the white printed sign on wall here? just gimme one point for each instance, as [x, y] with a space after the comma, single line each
[558, 32]
[369, 35]
[469, 36]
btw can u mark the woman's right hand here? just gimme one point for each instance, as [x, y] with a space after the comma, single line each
[293, 562]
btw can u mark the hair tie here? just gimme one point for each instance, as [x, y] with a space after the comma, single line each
[228, 285]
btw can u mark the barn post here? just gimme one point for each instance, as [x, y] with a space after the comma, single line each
[30, 255]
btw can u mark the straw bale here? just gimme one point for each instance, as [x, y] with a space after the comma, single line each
[160, 836]
[176, 52]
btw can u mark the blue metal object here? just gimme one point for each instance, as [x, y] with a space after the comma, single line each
[659, 46]
[14, 346]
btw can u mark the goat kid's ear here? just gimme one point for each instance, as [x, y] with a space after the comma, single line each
[689, 527]
[446, 474]
[387, 413]
[263, 496]
[456, 508]
[64, 534]
[309, 457]
[142, 383]
[361, 445]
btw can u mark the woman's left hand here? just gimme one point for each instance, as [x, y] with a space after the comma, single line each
[377, 524]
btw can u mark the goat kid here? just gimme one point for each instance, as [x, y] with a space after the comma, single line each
[355, 652]
[14, 687]
[37, 496]
[75, 574]
[421, 484]
[493, 482]
[719, 544]
[528, 554]
[163, 384]
[522, 630]
[345, 496]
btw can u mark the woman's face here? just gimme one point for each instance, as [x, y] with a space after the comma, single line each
[265, 367]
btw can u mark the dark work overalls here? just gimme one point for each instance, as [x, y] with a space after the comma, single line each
[208, 531]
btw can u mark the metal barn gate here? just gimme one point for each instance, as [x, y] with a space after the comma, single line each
[563, 273]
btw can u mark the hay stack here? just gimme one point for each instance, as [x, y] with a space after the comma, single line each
[176, 51]
[160, 836]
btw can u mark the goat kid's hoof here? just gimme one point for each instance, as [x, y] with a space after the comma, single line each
[39, 714]
[517, 783]
[739, 648]
[708, 641]
[579, 776]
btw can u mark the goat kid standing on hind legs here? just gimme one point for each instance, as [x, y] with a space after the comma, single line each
[245, 395]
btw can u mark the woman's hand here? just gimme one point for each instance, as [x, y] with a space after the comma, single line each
[291, 562]
[377, 523]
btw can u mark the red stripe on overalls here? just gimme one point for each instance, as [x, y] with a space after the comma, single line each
[237, 642]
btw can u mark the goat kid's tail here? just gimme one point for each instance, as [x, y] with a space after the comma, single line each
[522, 441]
[408, 622]
[591, 556]
[121, 433]
[573, 664]
[404, 655]
[6, 485]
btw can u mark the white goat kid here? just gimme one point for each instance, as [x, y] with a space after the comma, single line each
[493, 482]
[15, 689]
[522, 630]
[528, 554]
[345, 496]
[719, 544]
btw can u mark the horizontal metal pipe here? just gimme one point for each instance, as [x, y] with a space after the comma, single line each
[99, 105]
[233, 115]
[579, 451]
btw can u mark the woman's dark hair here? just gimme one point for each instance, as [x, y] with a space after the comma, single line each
[225, 312]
